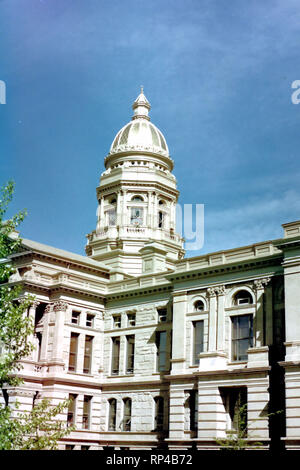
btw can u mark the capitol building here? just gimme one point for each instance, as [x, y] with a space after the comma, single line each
[157, 350]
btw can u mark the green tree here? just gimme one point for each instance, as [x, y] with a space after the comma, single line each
[40, 428]
[238, 439]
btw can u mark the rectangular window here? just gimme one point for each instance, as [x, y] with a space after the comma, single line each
[161, 347]
[86, 412]
[131, 319]
[161, 219]
[198, 339]
[75, 317]
[73, 352]
[89, 320]
[193, 409]
[242, 336]
[130, 354]
[159, 414]
[235, 404]
[39, 345]
[116, 321]
[136, 217]
[71, 410]
[115, 356]
[111, 217]
[162, 315]
[87, 354]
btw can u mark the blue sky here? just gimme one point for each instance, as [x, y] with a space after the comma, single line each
[218, 75]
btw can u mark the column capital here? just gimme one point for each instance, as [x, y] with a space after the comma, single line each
[48, 308]
[260, 284]
[220, 290]
[60, 305]
[211, 292]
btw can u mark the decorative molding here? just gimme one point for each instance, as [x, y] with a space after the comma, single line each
[60, 306]
[48, 308]
[220, 290]
[261, 283]
[211, 292]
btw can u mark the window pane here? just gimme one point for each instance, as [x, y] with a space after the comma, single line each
[198, 340]
[136, 217]
[242, 336]
[130, 354]
[115, 355]
[112, 415]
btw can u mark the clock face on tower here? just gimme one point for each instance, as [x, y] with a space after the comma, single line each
[136, 216]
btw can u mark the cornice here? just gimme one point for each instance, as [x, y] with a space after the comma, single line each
[59, 261]
[61, 288]
[236, 266]
[124, 184]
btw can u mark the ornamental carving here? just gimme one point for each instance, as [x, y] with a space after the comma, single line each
[220, 290]
[261, 283]
[60, 306]
[48, 309]
[211, 292]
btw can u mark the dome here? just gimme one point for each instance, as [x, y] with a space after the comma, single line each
[140, 134]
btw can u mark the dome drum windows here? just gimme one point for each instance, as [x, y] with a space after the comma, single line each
[242, 297]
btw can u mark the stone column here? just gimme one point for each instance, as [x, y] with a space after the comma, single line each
[212, 320]
[119, 211]
[60, 309]
[221, 318]
[31, 315]
[45, 333]
[176, 417]
[124, 214]
[257, 406]
[258, 325]
[179, 334]
[155, 216]
[150, 214]
[102, 221]
[211, 422]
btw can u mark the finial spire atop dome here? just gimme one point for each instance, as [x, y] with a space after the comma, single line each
[141, 106]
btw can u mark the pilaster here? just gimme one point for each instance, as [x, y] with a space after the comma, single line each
[178, 332]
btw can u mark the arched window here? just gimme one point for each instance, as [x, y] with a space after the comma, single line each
[162, 203]
[127, 414]
[112, 414]
[137, 199]
[199, 306]
[242, 297]
[136, 217]
[159, 413]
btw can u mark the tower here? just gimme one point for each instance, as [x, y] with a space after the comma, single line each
[137, 199]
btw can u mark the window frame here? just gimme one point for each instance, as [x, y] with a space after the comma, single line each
[196, 351]
[237, 354]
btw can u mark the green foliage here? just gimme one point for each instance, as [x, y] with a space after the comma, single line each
[37, 429]
[238, 439]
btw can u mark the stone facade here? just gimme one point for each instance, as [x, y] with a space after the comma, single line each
[158, 350]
